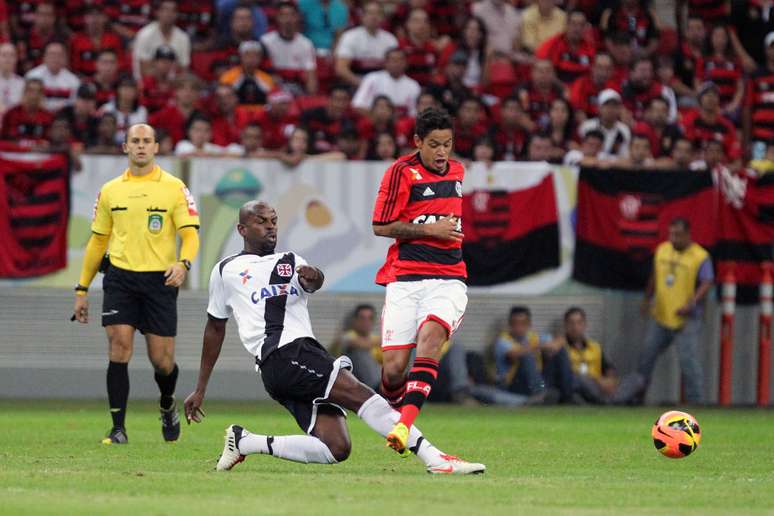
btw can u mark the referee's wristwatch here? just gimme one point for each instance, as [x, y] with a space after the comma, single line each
[186, 264]
[80, 290]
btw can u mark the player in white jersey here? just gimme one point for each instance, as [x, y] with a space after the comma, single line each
[267, 292]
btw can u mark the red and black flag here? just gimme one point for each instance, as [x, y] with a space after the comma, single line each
[745, 231]
[34, 209]
[510, 234]
[622, 215]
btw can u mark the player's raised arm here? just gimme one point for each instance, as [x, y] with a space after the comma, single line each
[214, 333]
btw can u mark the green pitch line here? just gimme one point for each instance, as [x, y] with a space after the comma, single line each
[539, 461]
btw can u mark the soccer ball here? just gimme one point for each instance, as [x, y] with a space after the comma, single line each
[676, 434]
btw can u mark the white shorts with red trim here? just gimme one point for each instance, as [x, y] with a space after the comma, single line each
[409, 304]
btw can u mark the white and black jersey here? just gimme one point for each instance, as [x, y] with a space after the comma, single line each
[264, 296]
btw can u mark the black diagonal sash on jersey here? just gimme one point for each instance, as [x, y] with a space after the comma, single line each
[274, 314]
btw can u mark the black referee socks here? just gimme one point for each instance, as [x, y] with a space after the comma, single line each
[167, 387]
[118, 391]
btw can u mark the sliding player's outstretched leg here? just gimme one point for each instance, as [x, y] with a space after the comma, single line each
[328, 444]
[374, 410]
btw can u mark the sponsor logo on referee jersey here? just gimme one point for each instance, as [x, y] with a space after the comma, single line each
[273, 291]
[192, 211]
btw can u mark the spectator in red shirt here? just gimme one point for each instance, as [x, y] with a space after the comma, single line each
[82, 114]
[720, 66]
[157, 86]
[634, 17]
[31, 44]
[175, 116]
[537, 94]
[687, 56]
[656, 127]
[128, 16]
[642, 86]
[105, 78]
[226, 126]
[404, 127]
[324, 124]
[105, 141]
[707, 123]
[85, 46]
[380, 119]
[278, 120]
[510, 134]
[570, 52]
[619, 46]
[421, 52]
[585, 90]
[28, 122]
[470, 126]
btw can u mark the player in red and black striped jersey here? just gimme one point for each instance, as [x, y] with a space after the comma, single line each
[419, 204]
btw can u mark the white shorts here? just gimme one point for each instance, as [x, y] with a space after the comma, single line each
[409, 304]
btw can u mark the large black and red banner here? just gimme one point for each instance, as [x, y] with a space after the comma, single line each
[510, 234]
[622, 215]
[34, 209]
[745, 236]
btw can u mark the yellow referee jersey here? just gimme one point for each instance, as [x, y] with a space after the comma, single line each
[142, 215]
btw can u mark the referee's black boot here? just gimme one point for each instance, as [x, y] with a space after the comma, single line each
[170, 423]
[117, 435]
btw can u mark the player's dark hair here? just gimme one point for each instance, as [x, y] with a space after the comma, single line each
[520, 310]
[432, 119]
[682, 222]
[574, 310]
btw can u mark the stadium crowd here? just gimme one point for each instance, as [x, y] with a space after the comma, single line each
[599, 83]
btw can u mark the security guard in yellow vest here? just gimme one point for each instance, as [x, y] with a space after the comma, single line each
[682, 275]
[137, 217]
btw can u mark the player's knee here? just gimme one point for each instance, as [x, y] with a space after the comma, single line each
[393, 376]
[340, 449]
[120, 350]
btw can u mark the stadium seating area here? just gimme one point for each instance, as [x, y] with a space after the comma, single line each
[605, 83]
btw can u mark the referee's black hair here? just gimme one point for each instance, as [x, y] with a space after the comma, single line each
[432, 119]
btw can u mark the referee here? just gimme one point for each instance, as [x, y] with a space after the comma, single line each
[139, 214]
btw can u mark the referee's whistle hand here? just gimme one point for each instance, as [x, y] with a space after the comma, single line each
[81, 309]
[175, 275]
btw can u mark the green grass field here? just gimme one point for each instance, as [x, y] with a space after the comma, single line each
[539, 460]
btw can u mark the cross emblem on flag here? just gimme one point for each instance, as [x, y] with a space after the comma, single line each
[284, 270]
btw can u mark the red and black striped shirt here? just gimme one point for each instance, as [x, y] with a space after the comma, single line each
[700, 131]
[411, 193]
[723, 72]
[713, 12]
[421, 60]
[760, 99]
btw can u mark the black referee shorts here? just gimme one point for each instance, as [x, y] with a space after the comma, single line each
[139, 299]
[300, 375]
